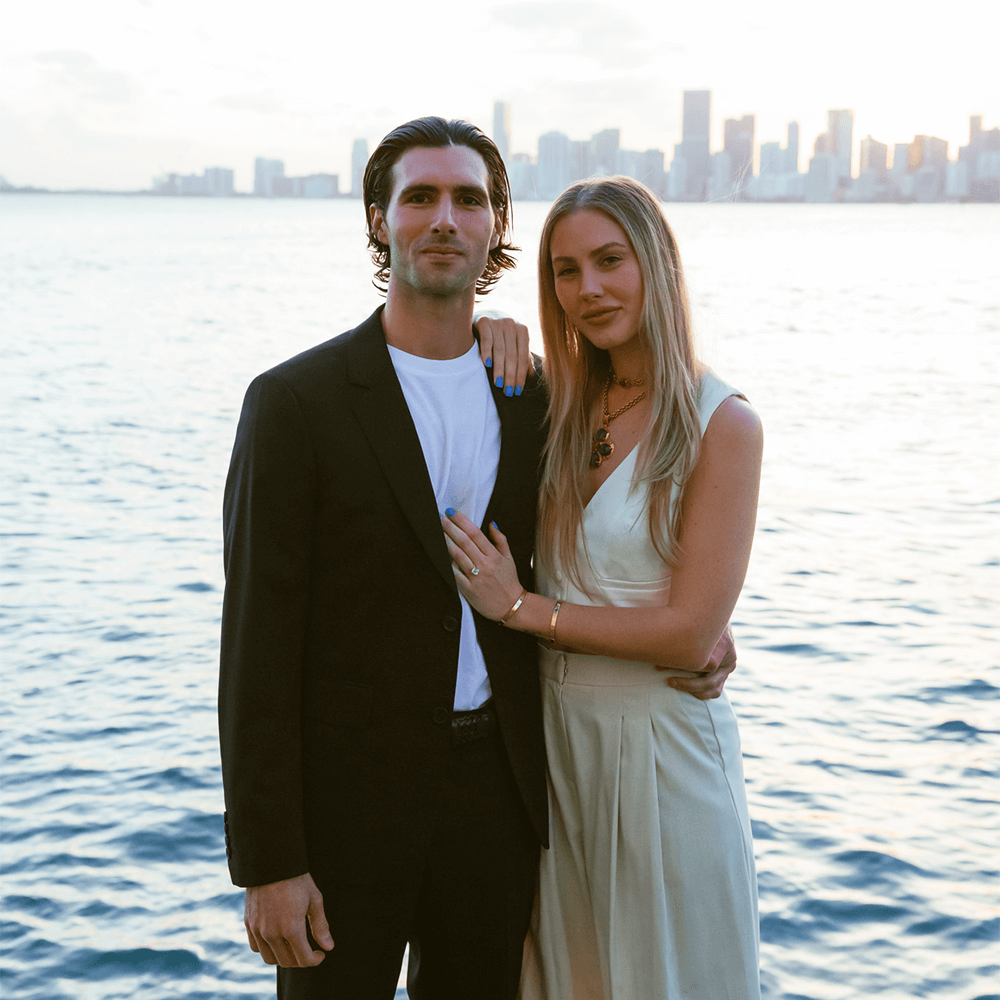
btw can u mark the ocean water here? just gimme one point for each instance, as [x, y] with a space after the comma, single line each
[868, 339]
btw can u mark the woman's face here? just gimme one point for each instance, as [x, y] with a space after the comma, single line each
[597, 277]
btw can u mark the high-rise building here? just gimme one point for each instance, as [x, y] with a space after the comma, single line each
[829, 174]
[738, 139]
[604, 153]
[359, 160]
[956, 184]
[318, 186]
[926, 150]
[697, 115]
[840, 130]
[192, 184]
[772, 158]
[900, 157]
[980, 160]
[650, 171]
[627, 163]
[928, 162]
[215, 182]
[553, 171]
[265, 173]
[778, 177]
[873, 171]
[792, 149]
[694, 145]
[218, 182]
[720, 185]
[874, 156]
[501, 128]
[677, 176]
[774, 181]
[985, 186]
[522, 173]
[821, 178]
[646, 166]
[579, 160]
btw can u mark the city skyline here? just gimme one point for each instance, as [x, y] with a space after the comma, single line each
[742, 170]
[245, 180]
[142, 89]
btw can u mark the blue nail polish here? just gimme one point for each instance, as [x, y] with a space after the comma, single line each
[509, 391]
[494, 525]
[499, 381]
[517, 391]
[450, 511]
[489, 362]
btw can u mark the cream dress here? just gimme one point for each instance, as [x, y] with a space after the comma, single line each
[648, 890]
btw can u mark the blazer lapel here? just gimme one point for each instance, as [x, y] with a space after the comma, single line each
[379, 405]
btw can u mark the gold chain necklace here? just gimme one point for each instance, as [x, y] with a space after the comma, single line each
[603, 447]
[626, 383]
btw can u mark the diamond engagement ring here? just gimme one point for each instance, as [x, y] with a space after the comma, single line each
[475, 571]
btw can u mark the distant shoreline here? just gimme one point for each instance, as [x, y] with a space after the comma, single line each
[9, 189]
[244, 195]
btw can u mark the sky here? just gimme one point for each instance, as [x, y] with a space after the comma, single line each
[110, 95]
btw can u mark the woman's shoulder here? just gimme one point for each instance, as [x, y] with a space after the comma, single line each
[728, 412]
[712, 392]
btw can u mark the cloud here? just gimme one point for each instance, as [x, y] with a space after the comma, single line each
[621, 92]
[583, 28]
[81, 72]
[261, 102]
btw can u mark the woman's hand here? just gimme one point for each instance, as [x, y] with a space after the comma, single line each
[703, 688]
[503, 346]
[720, 665]
[495, 586]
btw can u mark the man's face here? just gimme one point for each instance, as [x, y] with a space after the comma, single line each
[439, 225]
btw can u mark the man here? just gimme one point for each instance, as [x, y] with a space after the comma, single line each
[382, 747]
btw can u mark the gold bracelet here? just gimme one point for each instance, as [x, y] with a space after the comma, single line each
[513, 607]
[552, 624]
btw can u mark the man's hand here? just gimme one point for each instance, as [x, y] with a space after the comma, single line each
[503, 346]
[720, 665]
[275, 918]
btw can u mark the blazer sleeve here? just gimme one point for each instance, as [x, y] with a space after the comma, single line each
[268, 518]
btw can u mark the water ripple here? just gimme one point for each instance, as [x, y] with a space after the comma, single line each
[867, 631]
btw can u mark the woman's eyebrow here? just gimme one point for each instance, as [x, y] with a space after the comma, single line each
[596, 253]
[607, 246]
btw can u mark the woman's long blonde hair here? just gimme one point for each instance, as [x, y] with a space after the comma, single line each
[574, 368]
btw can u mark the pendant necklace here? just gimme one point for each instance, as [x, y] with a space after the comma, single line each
[603, 447]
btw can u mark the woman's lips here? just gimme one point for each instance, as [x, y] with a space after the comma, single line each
[596, 315]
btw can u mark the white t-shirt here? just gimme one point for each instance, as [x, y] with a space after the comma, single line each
[459, 431]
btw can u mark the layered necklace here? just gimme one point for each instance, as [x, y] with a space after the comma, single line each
[603, 447]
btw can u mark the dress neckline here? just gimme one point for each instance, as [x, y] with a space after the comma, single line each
[630, 457]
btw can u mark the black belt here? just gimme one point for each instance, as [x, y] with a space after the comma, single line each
[477, 724]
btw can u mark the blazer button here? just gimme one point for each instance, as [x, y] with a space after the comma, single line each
[441, 716]
[450, 623]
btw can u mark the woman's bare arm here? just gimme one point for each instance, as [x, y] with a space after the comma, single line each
[718, 517]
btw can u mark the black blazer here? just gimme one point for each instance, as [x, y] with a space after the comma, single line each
[340, 623]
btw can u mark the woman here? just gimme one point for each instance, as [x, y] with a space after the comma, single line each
[646, 518]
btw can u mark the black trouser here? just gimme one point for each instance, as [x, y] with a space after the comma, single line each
[465, 913]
